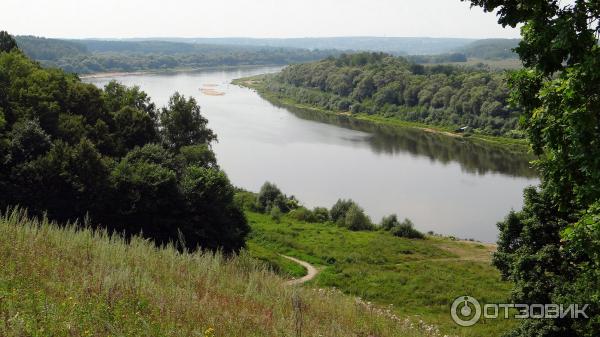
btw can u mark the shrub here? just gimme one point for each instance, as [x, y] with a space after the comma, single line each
[389, 222]
[406, 230]
[271, 196]
[302, 214]
[320, 214]
[276, 214]
[339, 210]
[356, 219]
[245, 200]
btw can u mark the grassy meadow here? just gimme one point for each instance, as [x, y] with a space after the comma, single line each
[419, 278]
[59, 281]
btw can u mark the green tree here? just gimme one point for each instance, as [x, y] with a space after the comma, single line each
[356, 219]
[199, 155]
[271, 196]
[321, 214]
[389, 222]
[549, 249]
[7, 43]
[211, 218]
[339, 210]
[28, 141]
[133, 127]
[182, 124]
[406, 229]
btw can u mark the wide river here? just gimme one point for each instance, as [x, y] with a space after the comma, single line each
[444, 184]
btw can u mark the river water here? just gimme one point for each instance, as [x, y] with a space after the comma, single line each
[448, 185]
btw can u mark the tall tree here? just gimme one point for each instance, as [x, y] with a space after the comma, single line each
[182, 123]
[7, 43]
[551, 249]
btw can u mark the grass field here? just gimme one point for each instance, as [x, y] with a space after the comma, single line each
[420, 278]
[66, 282]
[257, 83]
[59, 281]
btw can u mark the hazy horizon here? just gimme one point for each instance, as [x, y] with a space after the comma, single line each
[113, 19]
[157, 38]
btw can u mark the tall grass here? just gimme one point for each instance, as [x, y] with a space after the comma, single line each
[65, 281]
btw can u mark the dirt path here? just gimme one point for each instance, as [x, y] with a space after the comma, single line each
[310, 269]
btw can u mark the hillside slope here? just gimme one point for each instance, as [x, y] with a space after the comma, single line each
[418, 278]
[66, 282]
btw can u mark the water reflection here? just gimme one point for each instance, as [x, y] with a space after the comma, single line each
[474, 156]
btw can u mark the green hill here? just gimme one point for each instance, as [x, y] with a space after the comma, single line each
[77, 282]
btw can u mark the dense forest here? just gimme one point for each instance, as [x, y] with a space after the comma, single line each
[378, 83]
[94, 56]
[110, 158]
[439, 58]
[393, 45]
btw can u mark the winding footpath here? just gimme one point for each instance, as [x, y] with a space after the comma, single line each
[311, 271]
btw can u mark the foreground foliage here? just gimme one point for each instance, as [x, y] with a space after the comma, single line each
[72, 151]
[549, 250]
[72, 282]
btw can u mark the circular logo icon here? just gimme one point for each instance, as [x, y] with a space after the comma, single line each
[465, 311]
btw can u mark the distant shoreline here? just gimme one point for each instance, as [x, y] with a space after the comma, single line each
[173, 70]
[256, 83]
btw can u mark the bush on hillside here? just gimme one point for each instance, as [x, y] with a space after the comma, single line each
[339, 210]
[389, 222]
[302, 214]
[321, 214]
[271, 196]
[276, 214]
[356, 219]
[406, 229]
[245, 200]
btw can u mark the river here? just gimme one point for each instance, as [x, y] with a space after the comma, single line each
[447, 185]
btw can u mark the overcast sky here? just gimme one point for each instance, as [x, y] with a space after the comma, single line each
[248, 18]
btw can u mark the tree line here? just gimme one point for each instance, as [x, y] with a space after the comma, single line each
[344, 213]
[378, 83]
[95, 56]
[71, 151]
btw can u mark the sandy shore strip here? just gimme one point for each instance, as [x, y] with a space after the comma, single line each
[211, 92]
[113, 74]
